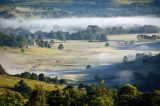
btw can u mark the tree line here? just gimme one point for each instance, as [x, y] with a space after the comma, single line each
[84, 95]
[92, 32]
[41, 77]
[24, 41]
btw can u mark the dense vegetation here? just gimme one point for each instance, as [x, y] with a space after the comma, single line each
[84, 95]
[145, 70]
[23, 41]
[41, 77]
[13, 41]
[92, 33]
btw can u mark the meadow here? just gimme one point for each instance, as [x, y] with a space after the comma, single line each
[76, 55]
[9, 82]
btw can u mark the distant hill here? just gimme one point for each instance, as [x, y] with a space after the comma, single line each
[87, 7]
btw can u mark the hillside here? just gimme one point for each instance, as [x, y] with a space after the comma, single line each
[9, 81]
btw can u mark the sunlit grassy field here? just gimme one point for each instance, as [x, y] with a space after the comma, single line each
[8, 81]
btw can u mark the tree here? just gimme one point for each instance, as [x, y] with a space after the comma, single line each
[125, 59]
[102, 101]
[128, 95]
[38, 97]
[60, 47]
[23, 88]
[88, 66]
[25, 75]
[2, 70]
[128, 89]
[34, 76]
[62, 81]
[11, 98]
[103, 38]
[42, 77]
[107, 44]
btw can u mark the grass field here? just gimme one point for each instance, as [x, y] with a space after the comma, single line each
[8, 81]
[76, 55]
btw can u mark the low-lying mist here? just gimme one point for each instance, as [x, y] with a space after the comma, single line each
[76, 24]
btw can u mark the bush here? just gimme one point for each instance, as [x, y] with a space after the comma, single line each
[11, 98]
[42, 77]
[22, 50]
[23, 88]
[107, 44]
[60, 47]
[88, 67]
[26, 75]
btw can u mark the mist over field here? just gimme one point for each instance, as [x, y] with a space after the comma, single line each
[75, 24]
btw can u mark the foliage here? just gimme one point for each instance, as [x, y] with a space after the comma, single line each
[2, 70]
[125, 59]
[23, 88]
[38, 97]
[13, 41]
[11, 98]
[34, 76]
[88, 67]
[41, 77]
[107, 44]
[60, 46]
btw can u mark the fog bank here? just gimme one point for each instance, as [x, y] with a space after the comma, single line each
[75, 24]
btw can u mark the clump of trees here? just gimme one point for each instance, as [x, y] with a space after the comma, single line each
[11, 98]
[23, 88]
[84, 95]
[13, 41]
[44, 43]
[41, 77]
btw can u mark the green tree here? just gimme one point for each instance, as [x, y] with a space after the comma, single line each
[88, 67]
[23, 88]
[25, 75]
[2, 70]
[11, 98]
[107, 44]
[34, 76]
[42, 77]
[38, 97]
[128, 95]
[60, 46]
[103, 38]
[102, 101]
[125, 59]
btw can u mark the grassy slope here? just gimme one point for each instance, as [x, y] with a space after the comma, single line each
[8, 81]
